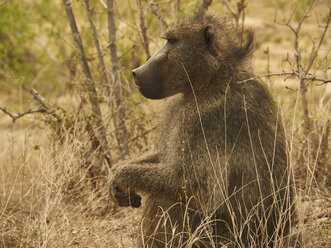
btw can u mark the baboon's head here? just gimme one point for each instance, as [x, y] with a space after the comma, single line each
[197, 50]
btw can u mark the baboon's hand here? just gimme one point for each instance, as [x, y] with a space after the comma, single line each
[124, 199]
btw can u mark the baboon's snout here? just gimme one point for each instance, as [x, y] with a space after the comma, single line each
[152, 73]
[147, 74]
[134, 73]
[137, 77]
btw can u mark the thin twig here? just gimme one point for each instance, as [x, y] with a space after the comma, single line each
[48, 51]
[320, 43]
[143, 29]
[103, 4]
[289, 74]
[133, 27]
[156, 11]
[228, 6]
[204, 6]
[289, 88]
[300, 73]
[42, 102]
[47, 107]
[3, 2]
[267, 75]
[20, 115]
[117, 79]
[267, 52]
[116, 120]
[89, 82]
[323, 80]
[236, 15]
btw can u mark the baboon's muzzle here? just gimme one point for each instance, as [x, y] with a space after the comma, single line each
[150, 77]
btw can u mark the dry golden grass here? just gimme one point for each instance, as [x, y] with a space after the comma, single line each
[47, 198]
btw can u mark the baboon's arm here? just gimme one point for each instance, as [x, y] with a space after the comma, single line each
[125, 196]
[150, 157]
[147, 177]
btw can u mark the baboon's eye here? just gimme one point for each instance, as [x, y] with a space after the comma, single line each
[172, 40]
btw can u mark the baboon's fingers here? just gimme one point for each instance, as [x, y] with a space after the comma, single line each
[125, 199]
[134, 199]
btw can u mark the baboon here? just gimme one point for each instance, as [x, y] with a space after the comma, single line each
[219, 175]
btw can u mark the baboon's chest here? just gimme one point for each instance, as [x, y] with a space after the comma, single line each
[172, 135]
[172, 127]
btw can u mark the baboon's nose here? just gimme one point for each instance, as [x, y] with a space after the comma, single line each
[134, 73]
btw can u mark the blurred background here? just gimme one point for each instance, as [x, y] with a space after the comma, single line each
[69, 109]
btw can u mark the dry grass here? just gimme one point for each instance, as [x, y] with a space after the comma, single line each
[47, 198]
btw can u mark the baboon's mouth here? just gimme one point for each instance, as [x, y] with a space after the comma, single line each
[142, 86]
[139, 84]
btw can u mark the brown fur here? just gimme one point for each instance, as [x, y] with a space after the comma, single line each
[220, 169]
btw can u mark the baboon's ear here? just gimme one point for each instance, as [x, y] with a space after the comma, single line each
[209, 35]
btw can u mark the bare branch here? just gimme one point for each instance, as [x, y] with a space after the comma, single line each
[122, 140]
[3, 2]
[130, 24]
[236, 15]
[228, 6]
[143, 29]
[103, 4]
[323, 80]
[288, 74]
[268, 75]
[267, 52]
[300, 72]
[42, 102]
[98, 47]
[288, 88]
[320, 42]
[89, 83]
[47, 107]
[204, 6]
[156, 11]
[47, 50]
[133, 27]
[20, 115]
[303, 74]
[116, 77]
